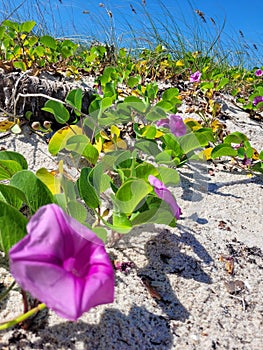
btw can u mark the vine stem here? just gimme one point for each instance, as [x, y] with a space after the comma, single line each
[2, 296]
[21, 318]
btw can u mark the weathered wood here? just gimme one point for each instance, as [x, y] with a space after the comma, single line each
[15, 83]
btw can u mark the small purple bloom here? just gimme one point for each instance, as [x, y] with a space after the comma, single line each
[163, 193]
[246, 161]
[195, 77]
[257, 100]
[174, 123]
[258, 72]
[63, 264]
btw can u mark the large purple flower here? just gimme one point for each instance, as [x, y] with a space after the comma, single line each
[174, 123]
[195, 77]
[257, 100]
[163, 193]
[63, 264]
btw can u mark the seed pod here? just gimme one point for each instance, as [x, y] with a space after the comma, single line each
[35, 125]
[47, 124]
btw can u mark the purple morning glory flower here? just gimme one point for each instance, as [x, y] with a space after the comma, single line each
[195, 77]
[63, 264]
[163, 193]
[174, 123]
[257, 100]
[258, 72]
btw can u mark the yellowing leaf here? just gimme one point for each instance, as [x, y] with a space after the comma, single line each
[158, 134]
[143, 88]
[5, 125]
[207, 152]
[255, 155]
[98, 144]
[104, 135]
[59, 140]
[179, 63]
[216, 125]
[115, 131]
[50, 180]
[193, 124]
[135, 93]
[110, 146]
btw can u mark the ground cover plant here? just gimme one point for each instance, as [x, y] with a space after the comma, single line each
[126, 144]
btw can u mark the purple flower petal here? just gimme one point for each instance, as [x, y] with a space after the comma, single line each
[195, 77]
[174, 123]
[258, 72]
[257, 100]
[177, 126]
[163, 193]
[63, 264]
[163, 123]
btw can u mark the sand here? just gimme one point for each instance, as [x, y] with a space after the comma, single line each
[194, 301]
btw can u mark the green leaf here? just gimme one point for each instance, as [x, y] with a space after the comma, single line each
[204, 136]
[133, 81]
[222, 83]
[143, 171]
[91, 153]
[170, 93]
[8, 168]
[130, 194]
[171, 143]
[48, 41]
[147, 146]
[121, 223]
[101, 233]
[27, 26]
[59, 111]
[86, 189]
[168, 176]
[12, 226]
[74, 98]
[36, 192]
[258, 167]
[20, 65]
[77, 211]
[235, 137]
[156, 113]
[100, 180]
[189, 142]
[12, 195]
[165, 105]
[223, 150]
[157, 214]
[11, 155]
[77, 143]
[135, 103]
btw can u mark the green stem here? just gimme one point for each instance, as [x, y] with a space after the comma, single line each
[22, 317]
[3, 295]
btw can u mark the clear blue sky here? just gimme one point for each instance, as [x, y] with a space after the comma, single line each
[90, 17]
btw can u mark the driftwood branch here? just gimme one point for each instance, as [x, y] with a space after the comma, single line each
[22, 92]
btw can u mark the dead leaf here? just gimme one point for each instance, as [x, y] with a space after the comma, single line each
[153, 292]
[5, 125]
[229, 263]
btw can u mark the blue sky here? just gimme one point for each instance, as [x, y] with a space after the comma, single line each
[89, 18]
